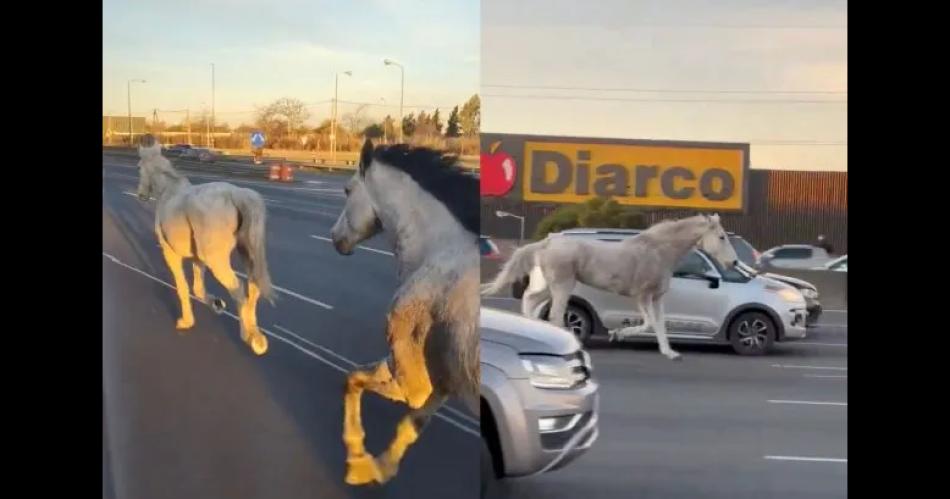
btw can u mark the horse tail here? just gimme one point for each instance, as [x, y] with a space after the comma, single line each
[515, 268]
[251, 238]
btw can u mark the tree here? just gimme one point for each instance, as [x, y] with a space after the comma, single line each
[283, 116]
[470, 117]
[357, 121]
[596, 212]
[452, 129]
[408, 125]
[436, 122]
[373, 131]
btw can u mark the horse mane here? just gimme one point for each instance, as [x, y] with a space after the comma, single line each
[437, 173]
[672, 228]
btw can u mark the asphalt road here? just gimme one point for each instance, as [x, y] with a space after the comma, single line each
[199, 415]
[715, 425]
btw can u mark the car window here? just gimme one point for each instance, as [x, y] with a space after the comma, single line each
[692, 264]
[793, 253]
[841, 266]
[744, 250]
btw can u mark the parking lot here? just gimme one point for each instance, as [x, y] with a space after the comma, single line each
[713, 425]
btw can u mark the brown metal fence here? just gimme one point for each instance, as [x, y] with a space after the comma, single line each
[783, 207]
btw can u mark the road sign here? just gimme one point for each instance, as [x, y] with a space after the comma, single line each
[257, 139]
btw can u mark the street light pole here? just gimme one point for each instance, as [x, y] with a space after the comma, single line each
[129, 93]
[503, 214]
[402, 89]
[212, 105]
[336, 90]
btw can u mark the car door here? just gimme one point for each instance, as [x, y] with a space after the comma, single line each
[693, 307]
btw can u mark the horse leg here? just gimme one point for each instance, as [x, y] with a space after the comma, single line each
[361, 468]
[220, 265]
[658, 318]
[174, 262]
[560, 293]
[248, 315]
[531, 299]
[198, 281]
[408, 431]
[407, 329]
[625, 332]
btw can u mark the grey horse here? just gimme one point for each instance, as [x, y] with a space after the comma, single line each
[206, 223]
[429, 210]
[639, 267]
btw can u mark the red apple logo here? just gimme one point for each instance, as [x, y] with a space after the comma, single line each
[497, 175]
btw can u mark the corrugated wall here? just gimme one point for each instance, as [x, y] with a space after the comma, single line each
[783, 207]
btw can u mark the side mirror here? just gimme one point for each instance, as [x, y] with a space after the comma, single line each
[713, 282]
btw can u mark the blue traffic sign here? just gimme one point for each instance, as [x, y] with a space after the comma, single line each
[257, 139]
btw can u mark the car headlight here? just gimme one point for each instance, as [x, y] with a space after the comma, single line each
[787, 294]
[551, 371]
[790, 295]
[810, 293]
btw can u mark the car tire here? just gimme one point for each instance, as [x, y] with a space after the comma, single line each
[579, 322]
[752, 333]
[489, 482]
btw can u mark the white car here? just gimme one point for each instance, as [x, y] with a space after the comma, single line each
[795, 256]
[839, 264]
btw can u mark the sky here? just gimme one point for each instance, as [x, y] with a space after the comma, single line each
[263, 51]
[675, 70]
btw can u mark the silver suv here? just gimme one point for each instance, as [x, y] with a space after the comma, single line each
[706, 303]
[538, 400]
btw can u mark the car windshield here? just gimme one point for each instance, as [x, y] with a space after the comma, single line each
[744, 250]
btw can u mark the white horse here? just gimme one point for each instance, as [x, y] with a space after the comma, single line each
[430, 211]
[206, 223]
[639, 267]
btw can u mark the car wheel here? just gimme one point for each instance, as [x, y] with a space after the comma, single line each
[488, 480]
[578, 322]
[752, 333]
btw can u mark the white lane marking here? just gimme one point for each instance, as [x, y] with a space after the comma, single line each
[294, 294]
[807, 402]
[809, 459]
[831, 376]
[367, 248]
[315, 182]
[461, 415]
[829, 368]
[843, 345]
[291, 343]
[315, 345]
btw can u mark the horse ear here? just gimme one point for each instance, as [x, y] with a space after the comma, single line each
[366, 156]
[715, 217]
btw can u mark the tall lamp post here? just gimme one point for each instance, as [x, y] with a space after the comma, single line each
[402, 89]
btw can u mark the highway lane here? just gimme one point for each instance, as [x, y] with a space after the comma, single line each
[716, 425]
[198, 415]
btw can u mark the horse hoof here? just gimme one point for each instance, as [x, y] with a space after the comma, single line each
[674, 356]
[387, 469]
[218, 305]
[259, 344]
[183, 325]
[362, 470]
